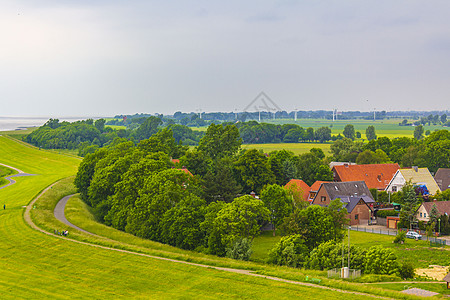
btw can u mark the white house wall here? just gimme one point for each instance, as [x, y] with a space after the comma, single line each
[398, 181]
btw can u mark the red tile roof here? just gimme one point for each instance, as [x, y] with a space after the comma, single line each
[301, 185]
[376, 176]
[316, 185]
[175, 160]
[186, 171]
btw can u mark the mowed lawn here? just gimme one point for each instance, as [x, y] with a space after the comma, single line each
[419, 253]
[37, 266]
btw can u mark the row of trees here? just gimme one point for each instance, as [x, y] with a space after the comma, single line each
[431, 152]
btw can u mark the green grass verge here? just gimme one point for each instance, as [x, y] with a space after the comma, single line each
[419, 253]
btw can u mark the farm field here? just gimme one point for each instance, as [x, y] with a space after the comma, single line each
[35, 265]
[297, 148]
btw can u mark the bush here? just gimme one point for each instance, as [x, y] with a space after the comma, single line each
[329, 255]
[406, 270]
[289, 251]
[379, 260]
[387, 213]
[400, 238]
[241, 249]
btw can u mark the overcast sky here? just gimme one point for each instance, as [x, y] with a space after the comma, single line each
[101, 58]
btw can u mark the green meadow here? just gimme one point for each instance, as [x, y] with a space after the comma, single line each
[34, 265]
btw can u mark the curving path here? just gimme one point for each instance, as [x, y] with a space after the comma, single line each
[9, 178]
[59, 214]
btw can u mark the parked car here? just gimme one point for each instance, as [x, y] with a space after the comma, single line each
[413, 235]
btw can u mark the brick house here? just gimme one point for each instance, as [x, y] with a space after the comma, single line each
[314, 189]
[355, 195]
[376, 176]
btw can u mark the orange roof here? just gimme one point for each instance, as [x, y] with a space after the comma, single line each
[376, 176]
[316, 185]
[186, 171]
[301, 185]
[175, 160]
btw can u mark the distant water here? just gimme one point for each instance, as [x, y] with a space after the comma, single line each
[17, 123]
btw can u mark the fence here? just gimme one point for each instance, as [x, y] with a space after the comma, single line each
[353, 273]
[393, 232]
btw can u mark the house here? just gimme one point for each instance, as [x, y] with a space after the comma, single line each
[299, 185]
[423, 212]
[442, 178]
[314, 189]
[376, 176]
[355, 195]
[417, 176]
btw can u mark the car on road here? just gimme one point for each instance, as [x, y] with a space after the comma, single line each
[413, 235]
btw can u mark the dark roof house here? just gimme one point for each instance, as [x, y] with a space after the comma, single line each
[355, 195]
[442, 178]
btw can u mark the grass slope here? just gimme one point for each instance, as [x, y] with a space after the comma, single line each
[34, 265]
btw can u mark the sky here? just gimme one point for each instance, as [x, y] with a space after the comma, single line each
[103, 58]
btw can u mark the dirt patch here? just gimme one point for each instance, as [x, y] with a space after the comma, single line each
[433, 271]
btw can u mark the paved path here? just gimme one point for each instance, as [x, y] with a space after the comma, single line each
[10, 178]
[59, 214]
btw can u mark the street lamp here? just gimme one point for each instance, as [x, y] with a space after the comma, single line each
[439, 222]
[349, 227]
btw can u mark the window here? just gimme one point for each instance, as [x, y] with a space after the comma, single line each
[356, 217]
[421, 215]
[394, 188]
[424, 215]
[323, 199]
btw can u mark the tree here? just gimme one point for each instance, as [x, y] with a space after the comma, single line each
[434, 215]
[220, 184]
[338, 214]
[241, 218]
[289, 251]
[358, 135]
[323, 134]
[240, 249]
[253, 171]
[370, 133]
[148, 128]
[443, 118]
[349, 131]
[197, 162]
[220, 141]
[180, 225]
[277, 200]
[328, 255]
[410, 204]
[100, 124]
[314, 223]
[418, 132]
[370, 157]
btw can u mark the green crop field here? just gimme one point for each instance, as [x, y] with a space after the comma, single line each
[34, 265]
[297, 148]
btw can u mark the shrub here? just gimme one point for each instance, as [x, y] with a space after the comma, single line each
[329, 255]
[386, 213]
[406, 270]
[289, 251]
[400, 238]
[241, 249]
[379, 260]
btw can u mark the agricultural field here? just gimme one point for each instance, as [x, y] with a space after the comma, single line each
[36, 265]
[297, 148]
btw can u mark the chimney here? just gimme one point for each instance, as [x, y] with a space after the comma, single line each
[415, 168]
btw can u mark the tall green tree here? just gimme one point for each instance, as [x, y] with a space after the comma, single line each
[370, 133]
[418, 132]
[254, 171]
[323, 134]
[349, 131]
[410, 204]
[220, 141]
[219, 182]
[277, 200]
[339, 216]
[148, 128]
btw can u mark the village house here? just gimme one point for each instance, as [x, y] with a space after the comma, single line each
[376, 176]
[355, 195]
[442, 178]
[314, 189]
[417, 176]
[423, 212]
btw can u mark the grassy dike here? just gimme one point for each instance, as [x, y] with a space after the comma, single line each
[34, 265]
